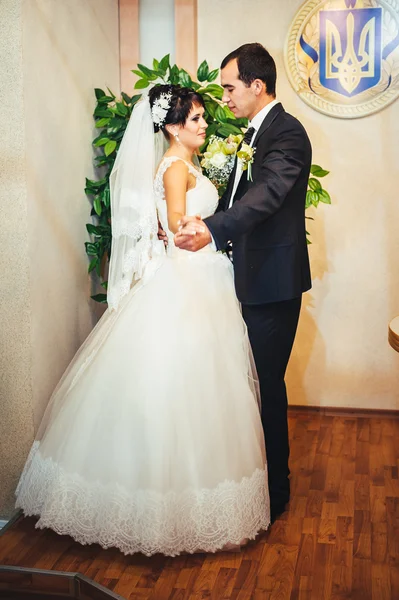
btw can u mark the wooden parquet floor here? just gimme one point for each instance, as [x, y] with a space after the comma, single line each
[339, 539]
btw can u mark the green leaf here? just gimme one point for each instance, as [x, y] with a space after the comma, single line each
[92, 229]
[106, 197]
[141, 84]
[211, 130]
[102, 112]
[126, 98]
[116, 124]
[325, 197]
[214, 90]
[228, 113]
[203, 71]
[318, 171]
[99, 93]
[97, 206]
[101, 141]
[220, 115]
[308, 201]
[213, 75]
[211, 106]
[104, 284]
[92, 265]
[148, 73]
[96, 184]
[91, 249]
[122, 109]
[139, 73]
[243, 122]
[105, 99]
[196, 86]
[174, 75]
[226, 129]
[92, 186]
[109, 147]
[184, 78]
[315, 198]
[233, 129]
[155, 64]
[102, 298]
[165, 63]
[104, 160]
[102, 122]
[314, 185]
[135, 99]
[111, 93]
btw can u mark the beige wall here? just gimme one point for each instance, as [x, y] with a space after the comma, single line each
[70, 48]
[56, 53]
[341, 356]
[16, 424]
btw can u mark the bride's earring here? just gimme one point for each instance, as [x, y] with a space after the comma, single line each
[176, 135]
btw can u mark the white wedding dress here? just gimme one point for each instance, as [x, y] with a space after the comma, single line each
[152, 441]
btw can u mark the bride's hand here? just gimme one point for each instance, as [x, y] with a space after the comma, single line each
[191, 225]
[193, 234]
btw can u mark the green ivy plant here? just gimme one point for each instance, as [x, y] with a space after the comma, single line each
[111, 118]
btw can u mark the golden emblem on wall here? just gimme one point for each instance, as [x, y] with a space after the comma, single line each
[342, 56]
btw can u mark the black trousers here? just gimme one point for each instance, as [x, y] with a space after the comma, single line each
[271, 329]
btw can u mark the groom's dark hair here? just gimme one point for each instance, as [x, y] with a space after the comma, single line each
[254, 62]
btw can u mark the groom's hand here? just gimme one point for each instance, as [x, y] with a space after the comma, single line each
[162, 234]
[193, 234]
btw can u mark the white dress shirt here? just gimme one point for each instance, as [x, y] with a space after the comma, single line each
[256, 124]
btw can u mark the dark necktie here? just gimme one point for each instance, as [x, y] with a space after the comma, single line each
[248, 135]
[246, 140]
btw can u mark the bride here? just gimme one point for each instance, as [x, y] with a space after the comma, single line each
[152, 440]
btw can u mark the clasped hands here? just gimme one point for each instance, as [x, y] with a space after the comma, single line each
[192, 235]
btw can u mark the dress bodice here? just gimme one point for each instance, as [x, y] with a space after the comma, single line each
[200, 200]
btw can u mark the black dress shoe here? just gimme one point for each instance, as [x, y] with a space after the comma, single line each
[276, 511]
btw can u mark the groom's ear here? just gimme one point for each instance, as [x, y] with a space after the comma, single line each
[259, 87]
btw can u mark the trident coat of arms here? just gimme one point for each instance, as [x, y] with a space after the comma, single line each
[342, 56]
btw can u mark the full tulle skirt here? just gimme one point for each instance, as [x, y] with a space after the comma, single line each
[152, 441]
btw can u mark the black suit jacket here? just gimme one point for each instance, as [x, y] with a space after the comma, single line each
[266, 223]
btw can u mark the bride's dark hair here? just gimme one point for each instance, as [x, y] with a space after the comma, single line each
[181, 102]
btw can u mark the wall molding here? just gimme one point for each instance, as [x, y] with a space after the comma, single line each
[186, 35]
[338, 411]
[129, 42]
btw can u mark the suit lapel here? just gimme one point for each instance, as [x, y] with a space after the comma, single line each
[267, 121]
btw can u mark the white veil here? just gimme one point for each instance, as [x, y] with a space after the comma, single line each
[134, 238]
[134, 218]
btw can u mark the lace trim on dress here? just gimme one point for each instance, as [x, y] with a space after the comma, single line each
[166, 162]
[145, 521]
[134, 230]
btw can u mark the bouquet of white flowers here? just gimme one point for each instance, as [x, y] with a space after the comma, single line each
[218, 159]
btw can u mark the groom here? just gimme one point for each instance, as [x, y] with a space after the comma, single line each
[264, 220]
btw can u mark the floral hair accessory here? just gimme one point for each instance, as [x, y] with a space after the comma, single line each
[160, 108]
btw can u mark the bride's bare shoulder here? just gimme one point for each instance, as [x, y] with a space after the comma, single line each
[176, 171]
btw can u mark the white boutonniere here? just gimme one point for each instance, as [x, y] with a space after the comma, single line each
[246, 155]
